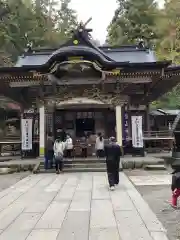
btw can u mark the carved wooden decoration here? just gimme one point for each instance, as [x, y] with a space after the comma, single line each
[94, 93]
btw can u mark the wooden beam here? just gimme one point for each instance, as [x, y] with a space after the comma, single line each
[151, 87]
[79, 81]
[27, 83]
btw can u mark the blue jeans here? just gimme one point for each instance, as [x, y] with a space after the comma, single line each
[48, 161]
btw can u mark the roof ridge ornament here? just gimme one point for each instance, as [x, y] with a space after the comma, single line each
[82, 36]
[4, 10]
[82, 30]
[141, 43]
[29, 44]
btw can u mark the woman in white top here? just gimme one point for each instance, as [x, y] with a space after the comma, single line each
[69, 147]
[99, 146]
[59, 147]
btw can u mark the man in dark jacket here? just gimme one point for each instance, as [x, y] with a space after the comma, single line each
[112, 153]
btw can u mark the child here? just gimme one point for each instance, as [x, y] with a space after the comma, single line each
[175, 186]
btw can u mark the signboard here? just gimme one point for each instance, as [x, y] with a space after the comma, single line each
[137, 135]
[26, 134]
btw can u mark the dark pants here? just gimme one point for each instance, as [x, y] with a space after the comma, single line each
[59, 164]
[112, 172]
[84, 153]
[49, 159]
[69, 153]
[100, 153]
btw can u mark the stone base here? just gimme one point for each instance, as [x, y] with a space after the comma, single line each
[138, 152]
[6, 170]
[176, 154]
[175, 158]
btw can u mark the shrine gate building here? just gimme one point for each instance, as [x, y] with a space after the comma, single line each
[82, 88]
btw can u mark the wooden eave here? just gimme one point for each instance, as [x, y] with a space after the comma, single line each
[163, 80]
[27, 74]
[22, 76]
[165, 83]
[125, 67]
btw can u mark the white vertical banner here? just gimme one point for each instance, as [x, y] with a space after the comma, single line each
[26, 134]
[137, 133]
[119, 125]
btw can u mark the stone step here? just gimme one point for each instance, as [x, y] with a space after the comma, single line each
[5, 171]
[155, 167]
[89, 163]
[127, 163]
[74, 170]
[82, 165]
[84, 160]
[89, 169]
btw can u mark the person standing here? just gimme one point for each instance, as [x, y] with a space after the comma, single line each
[112, 153]
[99, 146]
[175, 186]
[84, 146]
[69, 147]
[59, 147]
[49, 152]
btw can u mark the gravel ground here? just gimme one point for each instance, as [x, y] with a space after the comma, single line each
[10, 179]
[157, 197]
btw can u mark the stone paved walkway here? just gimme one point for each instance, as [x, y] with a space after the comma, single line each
[151, 180]
[76, 207]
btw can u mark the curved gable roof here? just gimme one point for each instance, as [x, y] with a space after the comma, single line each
[81, 43]
[131, 55]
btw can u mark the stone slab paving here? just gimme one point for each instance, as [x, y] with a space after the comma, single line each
[151, 180]
[76, 206]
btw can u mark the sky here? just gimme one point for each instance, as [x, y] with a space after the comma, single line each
[101, 11]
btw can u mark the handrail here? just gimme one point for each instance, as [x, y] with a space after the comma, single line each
[167, 132]
[157, 133]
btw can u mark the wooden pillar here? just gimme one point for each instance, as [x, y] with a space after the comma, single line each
[21, 117]
[54, 121]
[148, 126]
[42, 131]
[119, 130]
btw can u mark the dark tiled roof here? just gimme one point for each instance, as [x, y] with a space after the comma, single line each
[156, 113]
[162, 112]
[33, 59]
[131, 54]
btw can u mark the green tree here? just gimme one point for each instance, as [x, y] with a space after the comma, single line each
[142, 19]
[133, 19]
[43, 23]
[67, 20]
[168, 46]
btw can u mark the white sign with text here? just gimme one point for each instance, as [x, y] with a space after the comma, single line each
[26, 134]
[137, 133]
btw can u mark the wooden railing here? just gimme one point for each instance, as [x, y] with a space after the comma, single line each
[158, 135]
[146, 135]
